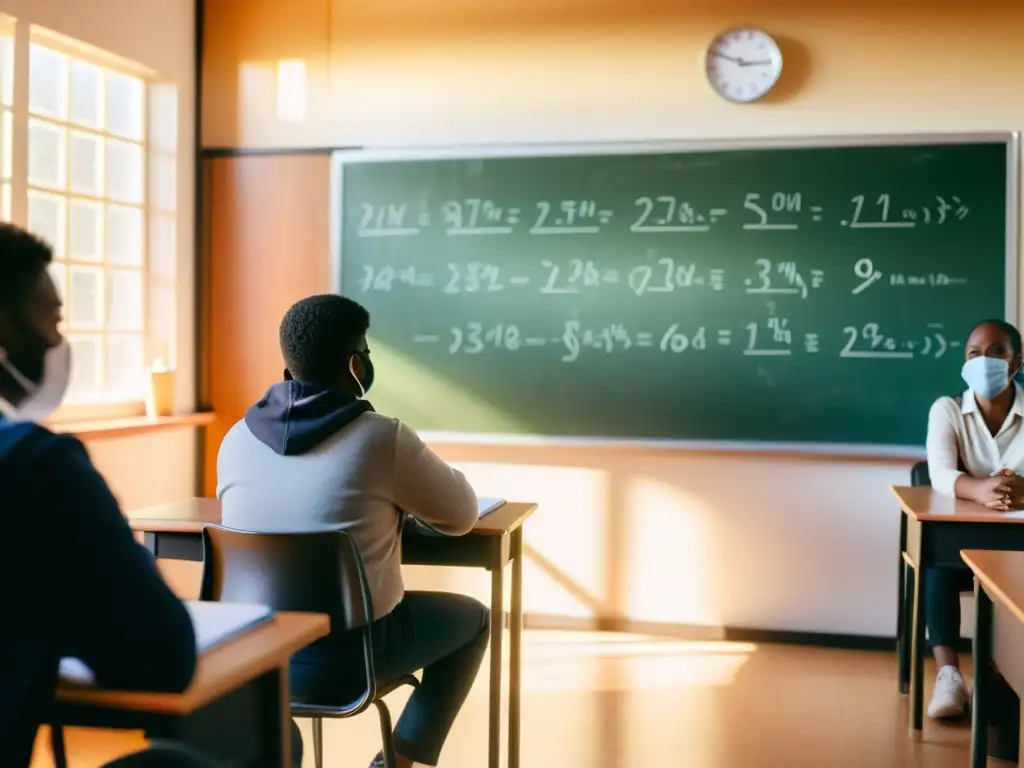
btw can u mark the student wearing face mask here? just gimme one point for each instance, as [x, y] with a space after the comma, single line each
[77, 583]
[976, 452]
[312, 455]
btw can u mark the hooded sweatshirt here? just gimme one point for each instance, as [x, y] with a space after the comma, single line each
[78, 585]
[307, 458]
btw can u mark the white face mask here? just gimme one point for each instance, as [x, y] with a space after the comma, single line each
[986, 376]
[41, 399]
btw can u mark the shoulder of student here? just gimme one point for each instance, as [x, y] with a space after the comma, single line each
[35, 443]
[946, 408]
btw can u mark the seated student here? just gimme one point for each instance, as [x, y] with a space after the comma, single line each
[313, 456]
[975, 452]
[77, 583]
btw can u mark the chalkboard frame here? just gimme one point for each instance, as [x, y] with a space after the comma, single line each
[1011, 139]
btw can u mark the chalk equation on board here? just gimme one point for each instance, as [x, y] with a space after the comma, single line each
[662, 274]
[864, 270]
[771, 338]
[654, 214]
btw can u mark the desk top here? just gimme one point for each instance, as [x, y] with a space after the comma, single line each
[1002, 573]
[928, 506]
[221, 669]
[192, 515]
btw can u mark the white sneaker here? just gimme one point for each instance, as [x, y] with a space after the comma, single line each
[949, 699]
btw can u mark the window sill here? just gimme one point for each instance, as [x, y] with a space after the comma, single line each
[102, 429]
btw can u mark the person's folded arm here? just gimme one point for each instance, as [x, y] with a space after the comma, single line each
[943, 450]
[103, 600]
[428, 488]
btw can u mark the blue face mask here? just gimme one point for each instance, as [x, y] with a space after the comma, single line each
[986, 376]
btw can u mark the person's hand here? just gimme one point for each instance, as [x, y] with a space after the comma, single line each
[995, 492]
[1016, 483]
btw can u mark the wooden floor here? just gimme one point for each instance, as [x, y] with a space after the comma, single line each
[622, 701]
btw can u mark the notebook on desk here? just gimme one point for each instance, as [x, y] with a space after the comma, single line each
[484, 507]
[213, 624]
[216, 623]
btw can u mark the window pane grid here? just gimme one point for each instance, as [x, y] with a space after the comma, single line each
[7, 68]
[89, 195]
[49, 120]
[141, 207]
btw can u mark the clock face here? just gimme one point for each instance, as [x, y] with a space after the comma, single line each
[743, 64]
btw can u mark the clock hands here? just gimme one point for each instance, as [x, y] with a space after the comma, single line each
[742, 62]
[721, 55]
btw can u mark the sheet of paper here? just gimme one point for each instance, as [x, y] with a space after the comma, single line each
[213, 624]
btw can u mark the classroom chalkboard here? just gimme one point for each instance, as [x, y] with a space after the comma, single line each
[808, 294]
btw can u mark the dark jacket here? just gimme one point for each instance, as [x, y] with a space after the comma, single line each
[77, 584]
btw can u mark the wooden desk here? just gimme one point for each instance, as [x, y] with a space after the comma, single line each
[236, 709]
[174, 531]
[933, 530]
[998, 635]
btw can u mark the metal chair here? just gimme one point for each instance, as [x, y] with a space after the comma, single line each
[320, 572]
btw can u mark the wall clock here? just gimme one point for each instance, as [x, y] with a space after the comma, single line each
[743, 64]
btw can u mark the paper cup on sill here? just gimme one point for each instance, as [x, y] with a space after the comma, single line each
[160, 399]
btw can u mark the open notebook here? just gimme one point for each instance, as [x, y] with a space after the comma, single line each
[213, 623]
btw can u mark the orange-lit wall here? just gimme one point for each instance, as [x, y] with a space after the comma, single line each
[667, 537]
[418, 72]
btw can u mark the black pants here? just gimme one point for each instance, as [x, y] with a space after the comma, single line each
[942, 588]
[443, 634]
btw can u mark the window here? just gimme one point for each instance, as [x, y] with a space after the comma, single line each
[100, 186]
[6, 118]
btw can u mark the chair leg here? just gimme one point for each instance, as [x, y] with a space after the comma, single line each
[387, 736]
[318, 742]
[60, 759]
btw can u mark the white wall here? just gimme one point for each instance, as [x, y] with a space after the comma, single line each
[158, 34]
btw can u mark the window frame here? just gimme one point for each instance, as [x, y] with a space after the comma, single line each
[24, 36]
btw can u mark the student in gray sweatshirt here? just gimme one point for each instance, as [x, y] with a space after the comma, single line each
[312, 455]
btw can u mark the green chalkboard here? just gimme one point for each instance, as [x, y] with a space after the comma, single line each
[814, 294]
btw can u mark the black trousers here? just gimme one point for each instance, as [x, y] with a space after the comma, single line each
[942, 588]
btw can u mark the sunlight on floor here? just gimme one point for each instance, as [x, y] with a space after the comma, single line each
[593, 700]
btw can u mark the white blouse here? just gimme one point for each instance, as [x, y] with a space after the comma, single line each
[958, 435]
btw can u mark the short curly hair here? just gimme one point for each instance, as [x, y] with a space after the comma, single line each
[23, 260]
[319, 333]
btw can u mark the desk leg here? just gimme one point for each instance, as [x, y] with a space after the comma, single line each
[902, 647]
[280, 700]
[982, 676]
[497, 635]
[917, 651]
[249, 726]
[905, 621]
[515, 648]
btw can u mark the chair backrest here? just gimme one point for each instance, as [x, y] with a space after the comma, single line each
[919, 474]
[319, 572]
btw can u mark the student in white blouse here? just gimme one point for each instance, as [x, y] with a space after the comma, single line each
[975, 452]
